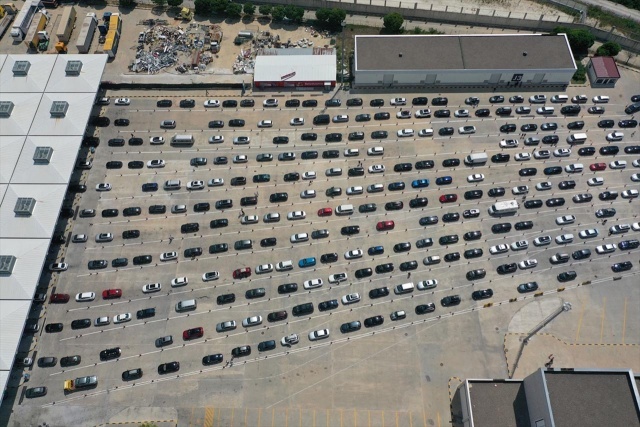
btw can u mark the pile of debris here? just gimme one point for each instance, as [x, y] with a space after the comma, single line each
[245, 62]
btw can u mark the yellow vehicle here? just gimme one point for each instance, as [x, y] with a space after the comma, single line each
[69, 385]
[186, 14]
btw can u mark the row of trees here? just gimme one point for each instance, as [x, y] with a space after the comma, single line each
[235, 10]
[172, 3]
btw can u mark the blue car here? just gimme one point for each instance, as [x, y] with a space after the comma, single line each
[444, 180]
[307, 262]
[376, 250]
[420, 183]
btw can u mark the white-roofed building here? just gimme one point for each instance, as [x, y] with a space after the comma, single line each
[45, 104]
[296, 68]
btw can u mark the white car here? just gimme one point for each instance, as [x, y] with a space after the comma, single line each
[353, 254]
[542, 154]
[178, 209]
[58, 266]
[340, 118]
[215, 182]
[299, 237]
[85, 296]
[308, 194]
[179, 281]
[351, 298]
[289, 340]
[398, 101]
[605, 249]
[79, 238]
[337, 277]
[265, 124]
[422, 114]
[318, 335]
[249, 219]
[636, 163]
[545, 110]
[523, 110]
[635, 226]
[600, 99]
[565, 219]
[498, 249]
[271, 217]
[216, 139]
[592, 182]
[520, 189]
[618, 164]
[252, 321]
[522, 157]
[168, 256]
[564, 238]
[404, 114]
[403, 133]
[309, 175]
[579, 99]
[314, 283]
[211, 103]
[542, 240]
[210, 275]
[195, 185]
[352, 191]
[264, 268]
[461, 113]
[509, 143]
[619, 229]
[476, 177]
[615, 136]
[427, 284]
[121, 318]
[296, 215]
[463, 130]
[240, 158]
[538, 99]
[425, 132]
[519, 245]
[241, 140]
[271, 102]
[528, 263]
[229, 325]
[102, 321]
[104, 237]
[544, 185]
[562, 152]
[635, 177]
[375, 188]
[333, 172]
[151, 287]
[297, 121]
[105, 186]
[375, 151]
[629, 194]
[351, 152]
[156, 140]
[159, 163]
[376, 169]
[123, 101]
[589, 233]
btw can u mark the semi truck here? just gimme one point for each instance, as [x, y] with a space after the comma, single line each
[504, 208]
[66, 24]
[7, 14]
[85, 37]
[33, 36]
[24, 18]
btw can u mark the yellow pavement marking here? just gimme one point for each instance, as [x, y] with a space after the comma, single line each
[273, 417]
[208, 416]
[410, 419]
[327, 418]
[286, 417]
[245, 416]
[369, 418]
[300, 417]
[382, 418]
[341, 418]
[439, 423]
[604, 305]
[232, 412]
[624, 320]
[424, 418]
[355, 418]
[314, 418]
[259, 416]
[396, 418]
[580, 322]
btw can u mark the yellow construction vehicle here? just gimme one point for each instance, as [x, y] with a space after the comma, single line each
[186, 14]
[61, 47]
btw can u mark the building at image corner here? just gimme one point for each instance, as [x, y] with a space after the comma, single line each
[299, 68]
[463, 61]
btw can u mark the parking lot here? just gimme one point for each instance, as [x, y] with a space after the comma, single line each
[402, 204]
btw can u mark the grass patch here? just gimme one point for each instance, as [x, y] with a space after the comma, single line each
[628, 27]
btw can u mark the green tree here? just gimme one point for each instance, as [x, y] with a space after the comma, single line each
[277, 13]
[579, 40]
[249, 9]
[234, 10]
[126, 3]
[203, 7]
[336, 16]
[609, 49]
[295, 13]
[322, 15]
[174, 3]
[393, 22]
[265, 9]
[160, 3]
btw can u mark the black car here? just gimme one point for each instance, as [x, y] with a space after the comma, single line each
[149, 187]
[216, 124]
[354, 102]
[503, 227]
[529, 127]
[90, 141]
[609, 150]
[278, 197]
[378, 292]
[476, 274]
[80, 323]
[218, 248]
[396, 186]
[381, 116]
[109, 213]
[632, 149]
[187, 103]
[116, 142]
[507, 268]
[605, 213]
[121, 122]
[528, 287]
[409, 265]
[114, 164]
[567, 276]
[363, 272]
[472, 235]
[587, 151]
[53, 327]
[332, 103]
[581, 254]
[310, 103]
[146, 313]
[350, 230]
[119, 262]
[202, 207]
[570, 110]
[420, 100]
[328, 305]
[451, 257]
[393, 206]
[450, 300]
[577, 125]
[608, 195]
[244, 350]
[77, 188]
[131, 211]
[553, 170]
[217, 223]
[473, 253]
[442, 113]
[97, 264]
[166, 368]
[509, 127]
[268, 241]
[238, 180]
[229, 103]
[291, 176]
[99, 121]
[503, 111]
[384, 268]
[533, 204]
[110, 353]
[255, 293]
[606, 124]
[449, 163]
[142, 259]
[132, 374]
[70, 361]
[445, 131]
[523, 225]
[287, 288]
[500, 158]
[418, 202]
[350, 327]
[376, 102]
[402, 167]
[424, 164]
[309, 154]
[292, 103]
[628, 123]
[516, 99]
[280, 140]
[528, 171]
[482, 294]
[483, 112]
[236, 123]
[363, 117]
[556, 201]
[402, 247]
[225, 299]
[496, 192]
[355, 136]
[440, 100]
[550, 139]
[309, 136]
[192, 252]
[370, 322]
[626, 245]
[267, 345]
[425, 308]
[379, 134]
[164, 103]
[428, 220]
[567, 185]
[449, 239]
[367, 207]
[220, 160]
[451, 217]
[473, 194]
[330, 154]
[277, 316]
[247, 103]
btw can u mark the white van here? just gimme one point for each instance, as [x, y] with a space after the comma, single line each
[172, 184]
[404, 288]
[186, 305]
[284, 265]
[182, 140]
[559, 99]
[574, 168]
[344, 210]
[476, 159]
[577, 138]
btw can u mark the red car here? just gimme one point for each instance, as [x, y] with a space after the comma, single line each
[598, 166]
[111, 293]
[385, 225]
[59, 298]
[193, 333]
[241, 273]
[448, 198]
[325, 212]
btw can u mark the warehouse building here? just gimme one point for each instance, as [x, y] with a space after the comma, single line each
[463, 61]
[297, 69]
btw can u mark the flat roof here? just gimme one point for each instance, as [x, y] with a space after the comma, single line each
[498, 403]
[463, 52]
[272, 68]
[595, 399]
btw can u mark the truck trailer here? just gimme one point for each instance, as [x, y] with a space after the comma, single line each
[503, 208]
[67, 22]
[24, 18]
[86, 33]
[8, 13]
[33, 36]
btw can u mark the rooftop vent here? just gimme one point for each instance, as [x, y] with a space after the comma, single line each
[24, 206]
[59, 108]
[42, 155]
[21, 68]
[6, 108]
[73, 68]
[524, 53]
[7, 262]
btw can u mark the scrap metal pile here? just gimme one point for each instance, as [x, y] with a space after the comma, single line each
[161, 47]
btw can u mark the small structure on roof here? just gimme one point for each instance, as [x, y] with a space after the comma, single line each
[603, 71]
[300, 68]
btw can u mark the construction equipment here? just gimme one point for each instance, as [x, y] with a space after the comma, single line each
[66, 24]
[186, 14]
[61, 47]
[7, 14]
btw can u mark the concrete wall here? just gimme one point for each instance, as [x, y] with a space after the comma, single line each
[538, 399]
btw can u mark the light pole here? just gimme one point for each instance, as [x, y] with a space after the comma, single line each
[343, 24]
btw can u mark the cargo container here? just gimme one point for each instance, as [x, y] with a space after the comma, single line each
[111, 43]
[24, 18]
[33, 38]
[8, 12]
[67, 22]
[504, 207]
[86, 33]
[115, 22]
